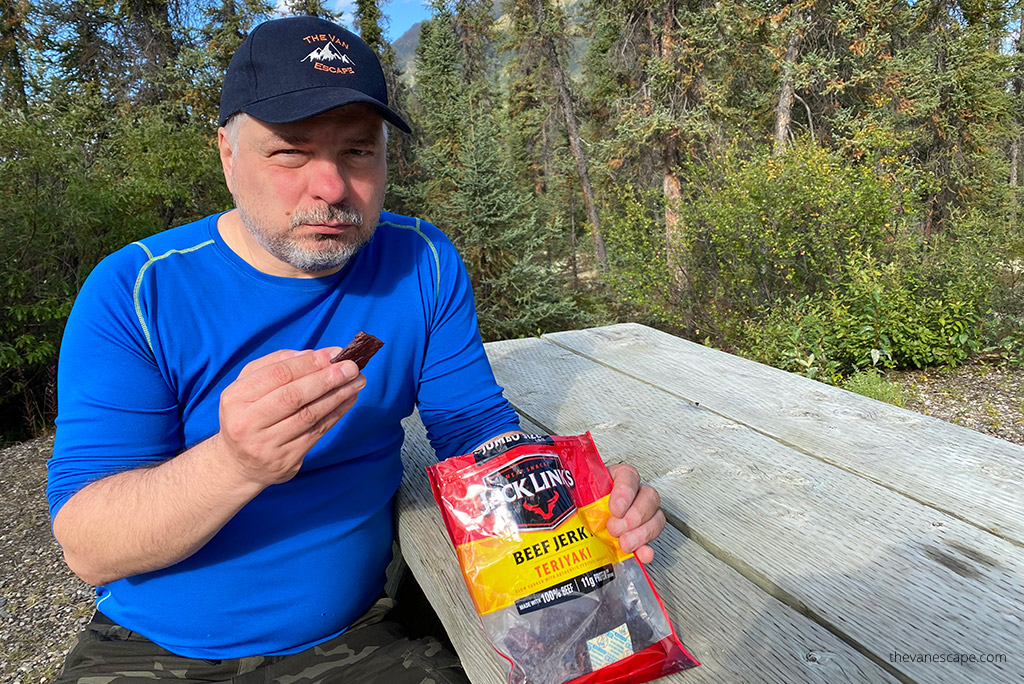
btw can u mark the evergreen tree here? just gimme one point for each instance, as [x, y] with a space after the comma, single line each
[369, 22]
[14, 39]
[541, 27]
[1017, 130]
[148, 26]
[468, 189]
[204, 57]
[86, 55]
[667, 80]
[442, 102]
[312, 8]
[961, 110]
[473, 22]
[226, 25]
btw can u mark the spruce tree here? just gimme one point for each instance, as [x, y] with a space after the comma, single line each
[542, 27]
[468, 189]
[312, 8]
[14, 40]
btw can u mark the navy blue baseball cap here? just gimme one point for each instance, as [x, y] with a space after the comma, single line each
[297, 67]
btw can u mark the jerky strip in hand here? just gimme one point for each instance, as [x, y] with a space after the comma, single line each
[360, 349]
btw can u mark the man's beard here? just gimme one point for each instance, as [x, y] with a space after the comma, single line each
[330, 251]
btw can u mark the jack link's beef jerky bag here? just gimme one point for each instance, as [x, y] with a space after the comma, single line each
[557, 597]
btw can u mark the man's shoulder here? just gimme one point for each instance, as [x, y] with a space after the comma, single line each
[128, 261]
[180, 239]
[398, 225]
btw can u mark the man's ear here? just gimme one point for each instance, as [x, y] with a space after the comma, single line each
[226, 156]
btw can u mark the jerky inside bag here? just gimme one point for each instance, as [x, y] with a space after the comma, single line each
[557, 597]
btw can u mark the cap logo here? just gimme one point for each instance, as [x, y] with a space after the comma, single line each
[329, 57]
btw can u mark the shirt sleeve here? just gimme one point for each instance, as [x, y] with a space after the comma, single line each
[115, 410]
[459, 401]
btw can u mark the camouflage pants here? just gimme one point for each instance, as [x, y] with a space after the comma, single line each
[375, 649]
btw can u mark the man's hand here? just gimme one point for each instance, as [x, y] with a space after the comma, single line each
[636, 512]
[280, 406]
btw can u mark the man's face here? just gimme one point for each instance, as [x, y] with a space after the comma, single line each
[310, 192]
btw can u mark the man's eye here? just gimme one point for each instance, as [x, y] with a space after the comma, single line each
[357, 152]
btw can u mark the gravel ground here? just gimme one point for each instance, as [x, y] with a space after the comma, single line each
[989, 399]
[42, 605]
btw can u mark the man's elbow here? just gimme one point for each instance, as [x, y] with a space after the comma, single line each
[84, 572]
[77, 561]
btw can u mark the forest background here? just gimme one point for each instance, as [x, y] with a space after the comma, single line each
[828, 186]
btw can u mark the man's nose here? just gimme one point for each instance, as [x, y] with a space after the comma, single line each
[327, 182]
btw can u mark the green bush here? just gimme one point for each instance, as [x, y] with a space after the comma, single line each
[79, 183]
[770, 228]
[880, 315]
[640, 273]
[814, 263]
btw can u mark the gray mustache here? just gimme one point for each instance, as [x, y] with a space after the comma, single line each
[328, 214]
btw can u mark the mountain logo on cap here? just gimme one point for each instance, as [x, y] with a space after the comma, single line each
[328, 53]
[329, 57]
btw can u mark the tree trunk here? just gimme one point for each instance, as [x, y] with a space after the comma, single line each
[1014, 160]
[671, 183]
[672, 190]
[575, 142]
[784, 111]
[1015, 144]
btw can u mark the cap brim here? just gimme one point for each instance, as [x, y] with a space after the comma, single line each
[311, 102]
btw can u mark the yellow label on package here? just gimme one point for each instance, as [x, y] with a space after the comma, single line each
[515, 564]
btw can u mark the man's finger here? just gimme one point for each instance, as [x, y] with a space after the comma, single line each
[637, 538]
[313, 435]
[260, 379]
[645, 554]
[273, 357]
[642, 509]
[625, 485]
[309, 418]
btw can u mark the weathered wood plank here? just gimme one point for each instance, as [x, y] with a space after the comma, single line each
[429, 554]
[886, 572]
[965, 473]
[742, 634]
[737, 631]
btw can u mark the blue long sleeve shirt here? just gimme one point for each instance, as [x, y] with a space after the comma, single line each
[158, 331]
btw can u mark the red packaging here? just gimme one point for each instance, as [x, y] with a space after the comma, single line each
[556, 595]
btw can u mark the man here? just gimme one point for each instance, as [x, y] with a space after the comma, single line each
[224, 485]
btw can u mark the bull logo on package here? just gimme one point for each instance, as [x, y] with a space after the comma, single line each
[535, 489]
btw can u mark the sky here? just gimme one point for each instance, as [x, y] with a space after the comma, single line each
[401, 14]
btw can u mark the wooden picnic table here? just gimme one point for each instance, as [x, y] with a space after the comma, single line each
[814, 535]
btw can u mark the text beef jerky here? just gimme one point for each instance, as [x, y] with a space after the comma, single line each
[558, 598]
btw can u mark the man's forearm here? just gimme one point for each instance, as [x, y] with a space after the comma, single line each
[147, 519]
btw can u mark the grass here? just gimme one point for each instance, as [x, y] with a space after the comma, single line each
[870, 384]
[992, 418]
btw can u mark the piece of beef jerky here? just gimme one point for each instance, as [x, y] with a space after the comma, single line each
[361, 349]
